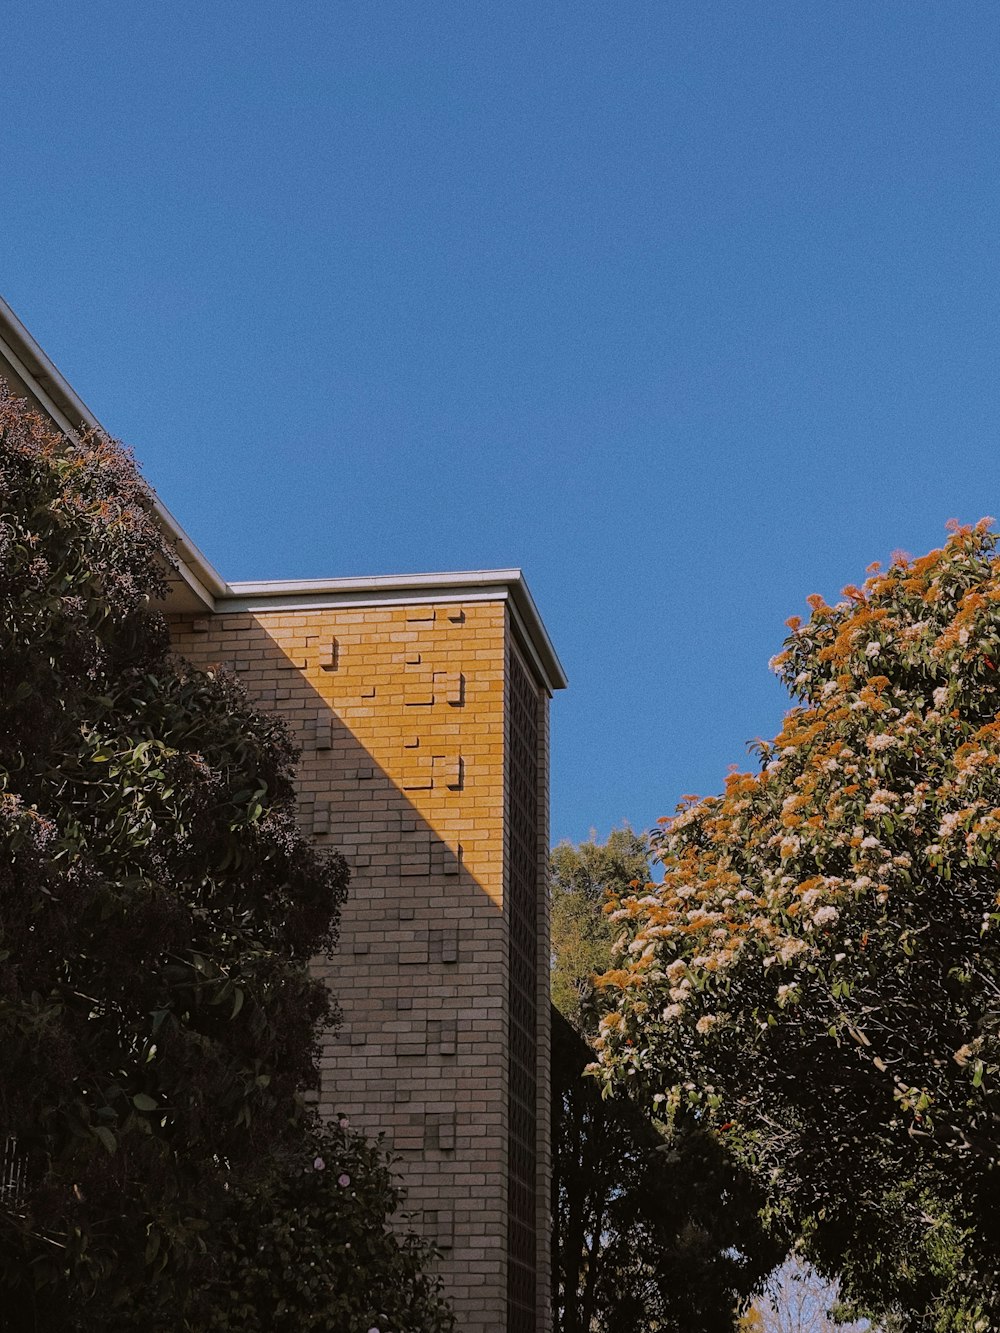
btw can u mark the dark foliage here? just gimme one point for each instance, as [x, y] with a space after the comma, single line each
[308, 1253]
[158, 905]
[647, 1238]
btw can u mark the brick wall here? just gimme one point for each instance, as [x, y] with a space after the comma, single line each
[400, 711]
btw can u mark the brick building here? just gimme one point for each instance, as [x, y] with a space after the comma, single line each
[421, 707]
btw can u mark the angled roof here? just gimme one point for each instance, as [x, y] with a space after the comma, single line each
[196, 586]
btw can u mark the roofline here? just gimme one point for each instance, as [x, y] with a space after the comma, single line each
[53, 391]
[386, 589]
[70, 413]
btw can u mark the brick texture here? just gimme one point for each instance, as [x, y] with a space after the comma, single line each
[400, 712]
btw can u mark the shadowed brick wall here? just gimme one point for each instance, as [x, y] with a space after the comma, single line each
[424, 759]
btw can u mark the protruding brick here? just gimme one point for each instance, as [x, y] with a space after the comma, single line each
[426, 997]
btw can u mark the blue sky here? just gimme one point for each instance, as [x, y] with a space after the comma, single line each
[687, 309]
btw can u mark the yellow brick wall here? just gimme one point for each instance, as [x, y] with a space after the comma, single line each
[399, 711]
[543, 1200]
[526, 847]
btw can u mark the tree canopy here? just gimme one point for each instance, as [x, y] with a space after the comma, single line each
[818, 974]
[797, 1300]
[158, 907]
[647, 1236]
[580, 878]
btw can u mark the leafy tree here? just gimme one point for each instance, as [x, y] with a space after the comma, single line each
[580, 877]
[158, 906]
[309, 1251]
[648, 1238]
[818, 973]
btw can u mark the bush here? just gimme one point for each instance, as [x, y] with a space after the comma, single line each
[304, 1253]
[158, 908]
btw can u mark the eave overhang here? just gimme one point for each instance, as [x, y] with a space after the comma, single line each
[480, 585]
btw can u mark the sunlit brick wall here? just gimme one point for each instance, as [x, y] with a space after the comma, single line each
[400, 713]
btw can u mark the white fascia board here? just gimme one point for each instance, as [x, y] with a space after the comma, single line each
[481, 585]
[70, 413]
[27, 360]
[419, 584]
[193, 567]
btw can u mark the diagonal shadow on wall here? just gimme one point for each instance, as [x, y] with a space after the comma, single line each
[422, 968]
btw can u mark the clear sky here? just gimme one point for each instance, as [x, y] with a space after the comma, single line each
[688, 309]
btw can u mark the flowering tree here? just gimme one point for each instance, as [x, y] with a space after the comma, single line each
[818, 975]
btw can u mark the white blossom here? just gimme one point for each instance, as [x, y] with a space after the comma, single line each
[949, 823]
[883, 741]
[792, 948]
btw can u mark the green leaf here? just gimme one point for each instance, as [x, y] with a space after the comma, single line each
[143, 1102]
[107, 1138]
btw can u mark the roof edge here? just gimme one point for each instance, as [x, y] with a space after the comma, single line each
[71, 414]
[56, 395]
[505, 584]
